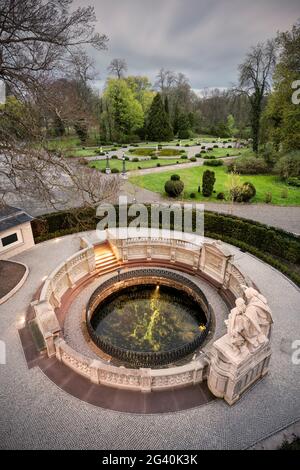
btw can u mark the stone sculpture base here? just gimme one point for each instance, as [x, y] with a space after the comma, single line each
[232, 373]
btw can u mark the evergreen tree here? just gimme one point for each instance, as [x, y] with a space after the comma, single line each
[282, 115]
[176, 120]
[158, 123]
[208, 181]
[183, 126]
[167, 106]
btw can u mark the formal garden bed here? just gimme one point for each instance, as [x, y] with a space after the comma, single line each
[269, 188]
[136, 163]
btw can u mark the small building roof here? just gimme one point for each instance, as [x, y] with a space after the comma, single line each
[12, 216]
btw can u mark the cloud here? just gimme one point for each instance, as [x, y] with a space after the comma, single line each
[205, 39]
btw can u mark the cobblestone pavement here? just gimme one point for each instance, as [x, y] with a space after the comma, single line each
[36, 414]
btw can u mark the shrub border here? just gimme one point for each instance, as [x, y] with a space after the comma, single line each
[280, 236]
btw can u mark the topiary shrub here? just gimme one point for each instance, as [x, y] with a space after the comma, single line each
[193, 159]
[158, 165]
[154, 157]
[216, 146]
[114, 157]
[208, 181]
[193, 195]
[135, 159]
[115, 170]
[221, 196]
[174, 186]
[209, 157]
[183, 157]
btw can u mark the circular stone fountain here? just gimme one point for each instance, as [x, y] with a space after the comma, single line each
[148, 318]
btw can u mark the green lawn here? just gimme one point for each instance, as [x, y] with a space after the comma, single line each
[192, 177]
[100, 164]
[222, 153]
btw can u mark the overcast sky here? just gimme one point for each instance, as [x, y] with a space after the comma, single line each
[205, 39]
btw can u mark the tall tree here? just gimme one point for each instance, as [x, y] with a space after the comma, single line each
[36, 36]
[118, 67]
[158, 122]
[166, 102]
[142, 89]
[165, 79]
[183, 126]
[255, 75]
[282, 116]
[37, 39]
[126, 112]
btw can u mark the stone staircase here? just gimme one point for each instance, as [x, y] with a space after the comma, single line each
[105, 259]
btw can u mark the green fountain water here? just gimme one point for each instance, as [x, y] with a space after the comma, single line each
[148, 318]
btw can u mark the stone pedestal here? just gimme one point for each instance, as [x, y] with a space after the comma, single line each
[48, 325]
[232, 373]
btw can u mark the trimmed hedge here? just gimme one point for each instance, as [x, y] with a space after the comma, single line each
[61, 223]
[268, 240]
[272, 245]
[213, 162]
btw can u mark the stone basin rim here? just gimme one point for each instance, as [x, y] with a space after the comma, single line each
[152, 276]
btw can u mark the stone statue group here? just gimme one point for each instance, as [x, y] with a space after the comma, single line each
[249, 322]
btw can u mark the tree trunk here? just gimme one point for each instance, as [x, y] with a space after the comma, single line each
[256, 103]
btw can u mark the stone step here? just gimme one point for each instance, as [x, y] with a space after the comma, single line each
[107, 269]
[106, 263]
[104, 258]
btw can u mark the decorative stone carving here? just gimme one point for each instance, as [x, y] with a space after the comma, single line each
[241, 357]
[258, 311]
[214, 260]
